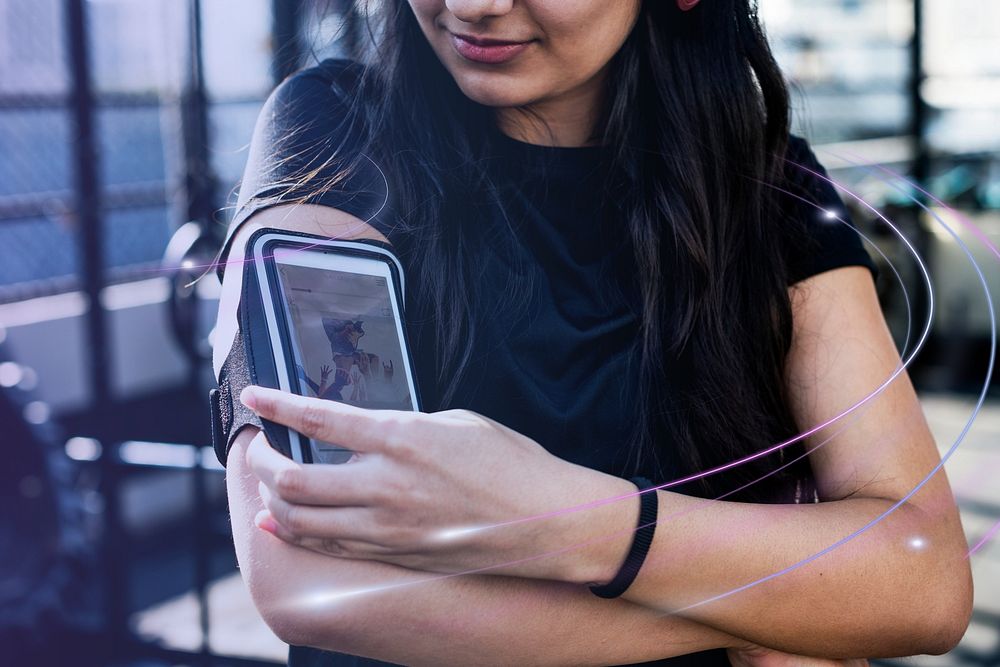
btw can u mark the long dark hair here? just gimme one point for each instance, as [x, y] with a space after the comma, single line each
[697, 127]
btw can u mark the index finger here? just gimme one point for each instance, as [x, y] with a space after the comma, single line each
[327, 485]
[338, 423]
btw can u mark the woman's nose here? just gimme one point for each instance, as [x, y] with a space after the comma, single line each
[472, 11]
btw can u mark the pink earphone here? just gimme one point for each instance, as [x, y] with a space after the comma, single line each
[685, 5]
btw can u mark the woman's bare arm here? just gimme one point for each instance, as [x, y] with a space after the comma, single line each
[461, 620]
[902, 587]
[874, 595]
[475, 619]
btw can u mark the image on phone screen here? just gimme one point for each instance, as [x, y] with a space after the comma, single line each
[345, 334]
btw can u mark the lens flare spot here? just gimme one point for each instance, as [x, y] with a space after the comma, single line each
[326, 599]
[331, 597]
[452, 534]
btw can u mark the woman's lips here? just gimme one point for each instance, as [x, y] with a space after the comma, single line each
[486, 51]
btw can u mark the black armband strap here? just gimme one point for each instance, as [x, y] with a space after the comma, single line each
[251, 359]
[229, 415]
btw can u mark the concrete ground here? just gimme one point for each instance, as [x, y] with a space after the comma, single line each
[974, 472]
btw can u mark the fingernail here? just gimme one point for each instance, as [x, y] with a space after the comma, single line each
[248, 398]
[264, 521]
[265, 493]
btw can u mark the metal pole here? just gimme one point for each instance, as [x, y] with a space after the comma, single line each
[918, 106]
[202, 546]
[89, 234]
[920, 168]
[200, 185]
[199, 180]
[287, 45]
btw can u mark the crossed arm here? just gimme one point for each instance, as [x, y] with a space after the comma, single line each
[903, 586]
[463, 620]
[874, 596]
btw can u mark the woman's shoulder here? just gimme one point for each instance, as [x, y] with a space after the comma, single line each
[308, 132]
[309, 118]
[320, 93]
[336, 77]
[802, 169]
[821, 232]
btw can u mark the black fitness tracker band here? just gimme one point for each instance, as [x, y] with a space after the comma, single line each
[640, 544]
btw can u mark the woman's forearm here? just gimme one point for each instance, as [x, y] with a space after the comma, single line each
[900, 588]
[461, 620]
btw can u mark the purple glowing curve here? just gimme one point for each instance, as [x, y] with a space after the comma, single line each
[951, 450]
[991, 533]
[704, 473]
[320, 598]
[892, 267]
[773, 448]
[727, 466]
[902, 500]
[691, 509]
[328, 597]
[717, 469]
[731, 464]
[900, 368]
[906, 344]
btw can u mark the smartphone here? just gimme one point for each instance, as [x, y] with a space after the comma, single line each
[334, 317]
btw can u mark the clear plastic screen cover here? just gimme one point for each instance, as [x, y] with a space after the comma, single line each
[345, 329]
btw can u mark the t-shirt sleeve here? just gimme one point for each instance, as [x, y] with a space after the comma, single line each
[307, 147]
[823, 236]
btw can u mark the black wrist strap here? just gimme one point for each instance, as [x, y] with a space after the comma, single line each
[643, 537]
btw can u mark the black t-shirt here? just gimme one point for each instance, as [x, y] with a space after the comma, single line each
[551, 362]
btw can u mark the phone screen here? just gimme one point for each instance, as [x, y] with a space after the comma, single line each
[346, 334]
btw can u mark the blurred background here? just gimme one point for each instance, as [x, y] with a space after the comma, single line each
[123, 133]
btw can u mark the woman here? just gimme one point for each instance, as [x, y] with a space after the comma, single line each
[343, 336]
[589, 195]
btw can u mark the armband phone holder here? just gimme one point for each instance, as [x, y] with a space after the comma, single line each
[261, 353]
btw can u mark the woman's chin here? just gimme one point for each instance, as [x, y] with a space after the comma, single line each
[493, 91]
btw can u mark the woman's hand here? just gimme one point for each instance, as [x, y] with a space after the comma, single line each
[758, 656]
[441, 492]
